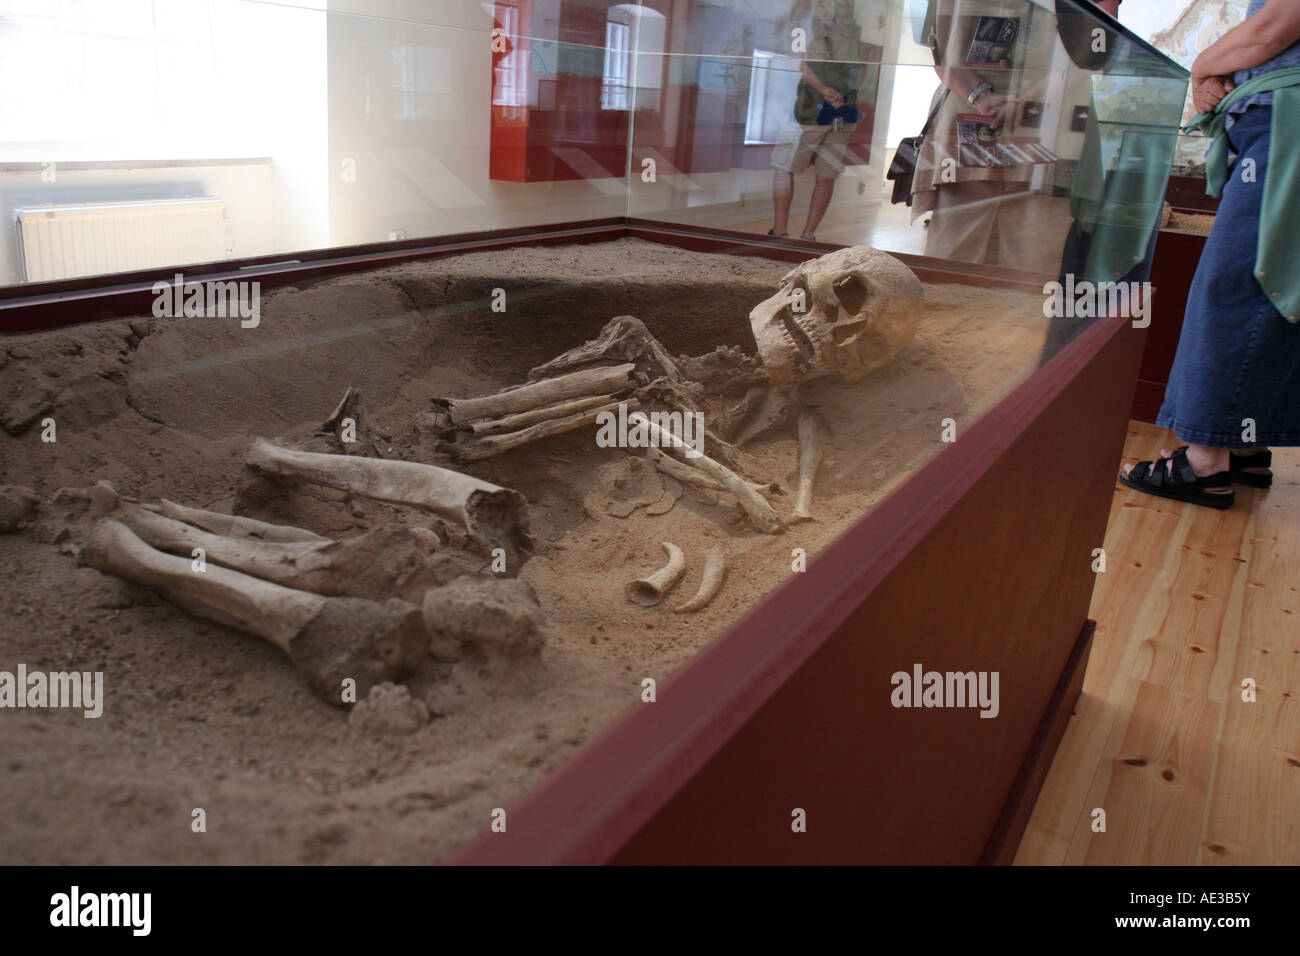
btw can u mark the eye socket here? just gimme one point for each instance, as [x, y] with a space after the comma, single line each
[852, 293]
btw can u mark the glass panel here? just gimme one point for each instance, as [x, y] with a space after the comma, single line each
[365, 129]
[162, 133]
[794, 133]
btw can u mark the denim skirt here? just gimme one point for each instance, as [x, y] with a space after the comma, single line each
[1236, 374]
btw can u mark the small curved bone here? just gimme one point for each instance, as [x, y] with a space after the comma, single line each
[715, 568]
[649, 591]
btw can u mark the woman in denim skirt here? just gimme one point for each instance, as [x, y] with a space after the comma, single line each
[1235, 385]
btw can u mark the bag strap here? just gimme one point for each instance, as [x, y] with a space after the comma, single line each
[934, 113]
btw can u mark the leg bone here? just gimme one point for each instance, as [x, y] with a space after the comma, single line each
[494, 516]
[233, 526]
[390, 561]
[329, 639]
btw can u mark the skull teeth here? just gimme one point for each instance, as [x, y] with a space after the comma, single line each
[810, 336]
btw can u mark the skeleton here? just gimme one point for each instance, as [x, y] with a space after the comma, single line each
[372, 607]
[844, 314]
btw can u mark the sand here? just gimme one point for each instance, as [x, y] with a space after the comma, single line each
[1196, 223]
[198, 716]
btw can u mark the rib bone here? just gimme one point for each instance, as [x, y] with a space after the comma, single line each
[757, 507]
[649, 591]
[329, 639]
[715, 568]
[812, 432]
[494, 516]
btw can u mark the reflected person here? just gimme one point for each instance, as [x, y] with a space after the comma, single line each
[825, 115]
[980, 195]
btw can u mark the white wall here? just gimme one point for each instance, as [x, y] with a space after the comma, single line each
[123, 81]
[416, 160]
[248, 191]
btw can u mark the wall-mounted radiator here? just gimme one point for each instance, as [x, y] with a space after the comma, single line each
[60, 242]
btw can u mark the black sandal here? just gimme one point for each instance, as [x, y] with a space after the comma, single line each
[1174, 478]
[1260, 459]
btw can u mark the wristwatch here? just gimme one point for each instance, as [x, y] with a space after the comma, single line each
[978, 92]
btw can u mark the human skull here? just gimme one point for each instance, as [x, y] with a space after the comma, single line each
[851, 311]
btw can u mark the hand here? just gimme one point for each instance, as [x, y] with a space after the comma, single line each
[994, 105]
[1208, 90]
[833, 97]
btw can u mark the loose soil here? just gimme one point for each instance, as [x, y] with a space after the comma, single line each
[199, 716]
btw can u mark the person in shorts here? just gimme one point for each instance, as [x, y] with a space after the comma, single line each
[825, 116]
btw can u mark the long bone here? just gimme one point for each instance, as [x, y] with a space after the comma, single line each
[233, 526]
[597, 381]
[329, 639]
[536, 416]
[485, 446]
[812, 432]
[673, 468]
[754, 504]
[494, 516]
[390, 561]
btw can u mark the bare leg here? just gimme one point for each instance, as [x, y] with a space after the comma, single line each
[782, 193]
[1204, 461]
[821, 200]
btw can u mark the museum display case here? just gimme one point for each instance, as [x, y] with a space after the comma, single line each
[480, 239]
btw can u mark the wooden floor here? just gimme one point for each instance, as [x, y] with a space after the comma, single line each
[1192, 603]
[847, 222]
